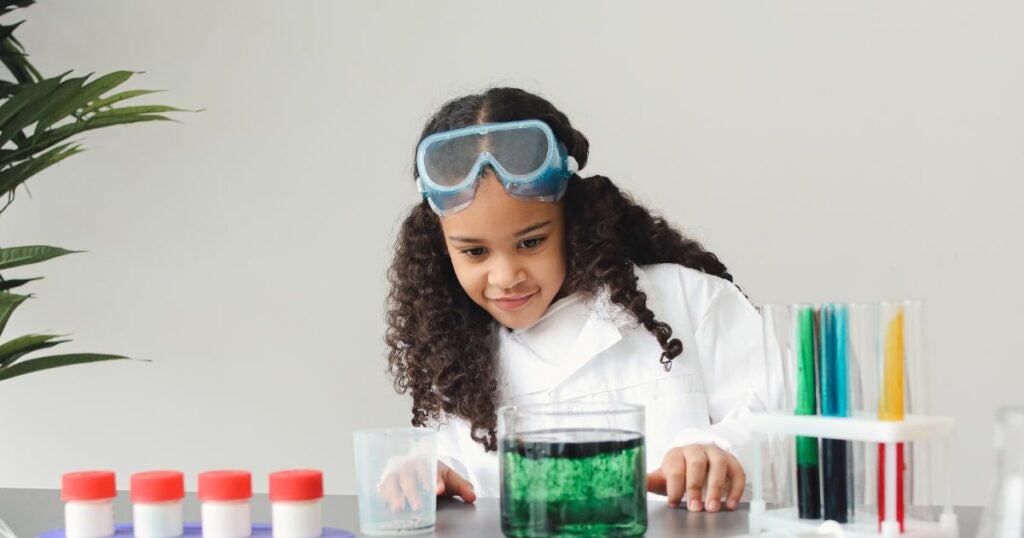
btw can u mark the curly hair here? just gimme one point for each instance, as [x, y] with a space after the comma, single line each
[441, 345]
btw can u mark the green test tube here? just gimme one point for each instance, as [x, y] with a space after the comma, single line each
[808, 470]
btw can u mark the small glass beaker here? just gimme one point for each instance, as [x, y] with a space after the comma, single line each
[574, 468]
[396, 477]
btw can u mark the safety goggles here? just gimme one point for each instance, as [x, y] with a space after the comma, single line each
[524, 155]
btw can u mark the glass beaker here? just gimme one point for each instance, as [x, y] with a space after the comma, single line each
[574, 468]
[396, 477]
[1004, 515]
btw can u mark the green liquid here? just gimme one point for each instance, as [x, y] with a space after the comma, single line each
[573, 483]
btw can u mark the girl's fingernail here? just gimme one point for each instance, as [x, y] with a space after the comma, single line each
[712, 505]
[731, 503]
[694, 505]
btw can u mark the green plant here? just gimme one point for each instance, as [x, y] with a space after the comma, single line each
[38, 118]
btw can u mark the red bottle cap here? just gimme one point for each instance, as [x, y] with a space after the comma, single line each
[157, 486]
[225, 485]
[88, 486]
[296, 485]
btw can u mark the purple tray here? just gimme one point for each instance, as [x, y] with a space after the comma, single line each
[259, 530]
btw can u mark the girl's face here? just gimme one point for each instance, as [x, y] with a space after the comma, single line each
[508, 254]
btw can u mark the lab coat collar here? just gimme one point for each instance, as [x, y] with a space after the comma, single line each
[604, 325]
[552, 311]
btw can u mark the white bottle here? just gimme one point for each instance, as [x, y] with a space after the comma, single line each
[89, 504]
[156, 500]
[295, 503]
[225, 508]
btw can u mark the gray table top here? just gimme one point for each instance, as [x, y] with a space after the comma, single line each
[32, 511]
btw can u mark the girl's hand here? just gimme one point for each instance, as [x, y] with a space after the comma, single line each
[449, 483]
[688, 469]
[401, 487]
[404, 478]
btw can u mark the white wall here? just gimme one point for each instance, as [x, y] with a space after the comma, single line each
[825, 150]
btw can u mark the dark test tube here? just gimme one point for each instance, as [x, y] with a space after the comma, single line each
[834, 483]
[808, 487]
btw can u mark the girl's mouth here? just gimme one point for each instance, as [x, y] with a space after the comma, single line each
[513, 303]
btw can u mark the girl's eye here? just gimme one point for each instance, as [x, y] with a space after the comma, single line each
[531, 243]
[474, 252]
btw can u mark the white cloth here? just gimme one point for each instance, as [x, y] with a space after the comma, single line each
[594, 350]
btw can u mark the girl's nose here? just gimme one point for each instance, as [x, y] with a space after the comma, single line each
[505, 274]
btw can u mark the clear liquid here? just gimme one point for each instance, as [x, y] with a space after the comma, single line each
[573, 483]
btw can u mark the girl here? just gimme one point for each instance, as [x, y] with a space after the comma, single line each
[517, 280]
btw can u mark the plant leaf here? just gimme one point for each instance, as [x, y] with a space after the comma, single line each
[27, 94]
[20, 139]
[132, 110]
[116, 98]
[15, 349]
[96, 121]
[13, 56]
[7, 89]
[6, 31]
[27, 255]
[19, 173]
[7, 5]
[61, 133]
[104, 119]
[8, 302]
[15, 282]
[39, 103]
[31, 147]
[54, 361]
[54, 102]
[65, 104]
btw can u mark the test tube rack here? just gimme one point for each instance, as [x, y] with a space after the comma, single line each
[913, 428]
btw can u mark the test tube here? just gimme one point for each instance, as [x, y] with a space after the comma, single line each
[807, 463]
[891, 456]
[834, 382]
[778, 456]
[863, 357]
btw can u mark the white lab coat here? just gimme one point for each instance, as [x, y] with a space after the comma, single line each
[594, 350]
